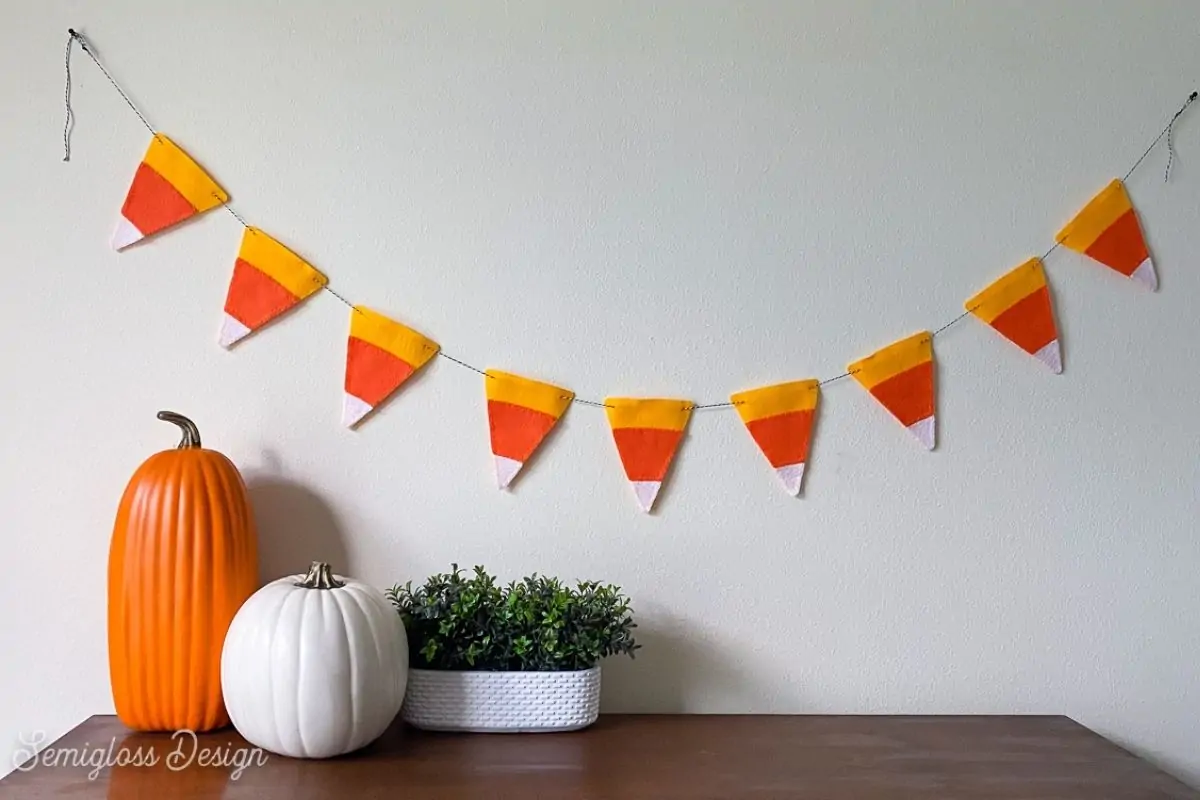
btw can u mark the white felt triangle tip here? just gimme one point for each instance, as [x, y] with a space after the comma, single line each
[1146, 276]
[1051, 356]
[506, 470]
[232, 331]
[925, 432]
[353, 410]
[646, 491]
[791, 475]
[125, 235]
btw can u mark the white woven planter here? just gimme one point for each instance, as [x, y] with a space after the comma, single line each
[502, 702]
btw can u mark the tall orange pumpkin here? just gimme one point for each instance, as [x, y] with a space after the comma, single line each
[183, 559]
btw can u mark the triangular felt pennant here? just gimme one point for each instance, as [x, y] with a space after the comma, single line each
[268, 279]
[647, 433]
[520, 414]
[167, 188]
[900, 377]
[1107, 230]
[780, 419]
[1018, 307]
[381, 354]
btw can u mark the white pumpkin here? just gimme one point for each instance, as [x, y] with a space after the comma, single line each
[314, 665]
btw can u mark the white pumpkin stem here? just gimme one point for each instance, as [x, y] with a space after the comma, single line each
[320, 576]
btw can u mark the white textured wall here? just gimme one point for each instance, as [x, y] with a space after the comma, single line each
[672, 198]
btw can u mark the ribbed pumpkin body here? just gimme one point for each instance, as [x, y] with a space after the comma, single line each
[312, 672]
[183, 560]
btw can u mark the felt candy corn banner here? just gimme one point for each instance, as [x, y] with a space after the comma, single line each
[1108, 231]
[520, 414]
[269, 280]
[1017, 306]
[380, 356]
[780, 420]
[900, 377]
[647, 434]
[167, 188]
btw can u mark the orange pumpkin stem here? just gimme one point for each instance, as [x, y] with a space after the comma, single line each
[191, 434]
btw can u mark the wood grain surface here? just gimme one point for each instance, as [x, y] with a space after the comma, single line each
[629, 757]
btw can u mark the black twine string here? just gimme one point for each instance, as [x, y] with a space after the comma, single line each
[449, 357]
[329, 289]
[235, 214]
[69, 120]
[83, 44]
[951, 323]
[1167, 132]
[592, 403]
[1170, 152]
[834, 378]
[1171, 137]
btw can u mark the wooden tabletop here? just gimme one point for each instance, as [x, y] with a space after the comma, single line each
[625, 757]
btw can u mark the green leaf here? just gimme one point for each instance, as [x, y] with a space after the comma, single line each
[463, 620]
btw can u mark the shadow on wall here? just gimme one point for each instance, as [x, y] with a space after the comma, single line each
[672, 673]
[295, 528]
